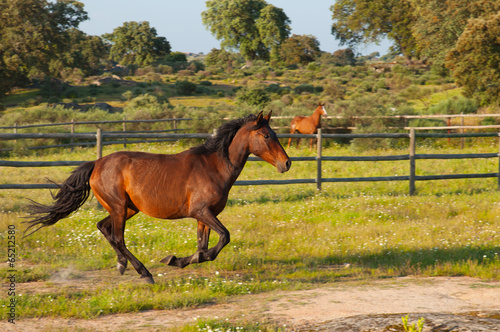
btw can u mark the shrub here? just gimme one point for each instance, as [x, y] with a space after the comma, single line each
[185, 88]
[252, 97]
[307, 88]
[454, 105]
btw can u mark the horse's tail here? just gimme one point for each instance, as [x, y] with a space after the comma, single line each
[71, 195]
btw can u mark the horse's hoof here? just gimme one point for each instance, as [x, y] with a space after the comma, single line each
[169, 260]
[148, 280]
[121, 268]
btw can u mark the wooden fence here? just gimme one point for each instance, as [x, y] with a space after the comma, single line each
[446, 117]
[99, 138]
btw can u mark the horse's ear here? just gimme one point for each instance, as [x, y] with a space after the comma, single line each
[259, 117]
[268, 117]
[321, 104]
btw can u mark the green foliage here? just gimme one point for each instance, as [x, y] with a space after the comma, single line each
[175, 57]
[367, 21]
[252, 26]
[34, 36]
[253, 97]
[223, 59]
[454, 106]
[147, 106]
[439, 24]
[299, 50]
[344, 57]
[413, 328]
[307, 88]
[185, 88]
[136, 44]
[475, 60]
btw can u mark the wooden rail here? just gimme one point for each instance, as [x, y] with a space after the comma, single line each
[412, 156]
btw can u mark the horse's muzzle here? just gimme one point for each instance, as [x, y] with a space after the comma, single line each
[284, 167]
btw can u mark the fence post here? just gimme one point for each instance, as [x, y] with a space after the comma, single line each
[462, 139]
[412, 161]
[318, 160]
[72, 131]
[99, 143]
[498, 184]
[124, 130]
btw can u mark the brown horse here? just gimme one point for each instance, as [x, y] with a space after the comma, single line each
[307, 124]
[194, 183]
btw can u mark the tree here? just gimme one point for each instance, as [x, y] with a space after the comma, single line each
[344, 57]
[223, 59]
[368, 21]
[439, 24]
[84, 52]
[252, 26]
[300, 50]
[475, 59]
[34, 33]
[136, 43]
[274, 27]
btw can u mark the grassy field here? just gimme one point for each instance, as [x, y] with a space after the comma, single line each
[282, 237]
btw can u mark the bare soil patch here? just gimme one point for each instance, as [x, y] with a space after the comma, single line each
[447, 304]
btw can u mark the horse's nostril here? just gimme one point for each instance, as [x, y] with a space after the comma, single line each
[288, 164]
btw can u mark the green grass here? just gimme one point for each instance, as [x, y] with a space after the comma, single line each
[282, 237]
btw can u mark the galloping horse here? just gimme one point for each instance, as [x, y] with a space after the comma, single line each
[194, 183]
[307, 124]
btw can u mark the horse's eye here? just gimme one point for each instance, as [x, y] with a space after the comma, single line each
[266, 136]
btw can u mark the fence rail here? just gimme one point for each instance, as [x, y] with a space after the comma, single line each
[412, 156]
[339, 117]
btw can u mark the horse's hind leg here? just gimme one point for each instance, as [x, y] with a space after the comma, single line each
[105, 227]
[113, 228]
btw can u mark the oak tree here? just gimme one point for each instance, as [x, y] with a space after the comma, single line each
[475, 59]
[253, 27]
[136, 43]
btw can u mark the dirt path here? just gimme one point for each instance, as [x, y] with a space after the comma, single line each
[447, 304]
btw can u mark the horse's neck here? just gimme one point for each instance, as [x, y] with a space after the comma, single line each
[316, 117]
[238, 156]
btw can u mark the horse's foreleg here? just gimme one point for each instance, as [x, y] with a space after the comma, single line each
[203, 236]
[209, 221]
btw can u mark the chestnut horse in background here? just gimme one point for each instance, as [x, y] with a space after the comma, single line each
[307, 124]
[194, 183]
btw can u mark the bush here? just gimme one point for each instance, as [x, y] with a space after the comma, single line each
[307, 88]
[185, 88]
[455, 105]
[253, 97]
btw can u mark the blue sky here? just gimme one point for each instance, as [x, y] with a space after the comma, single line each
[179, 21]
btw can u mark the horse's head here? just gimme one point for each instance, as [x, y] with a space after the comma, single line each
[265, 144]
[321, 108]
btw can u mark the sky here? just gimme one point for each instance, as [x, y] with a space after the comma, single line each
[179, 21]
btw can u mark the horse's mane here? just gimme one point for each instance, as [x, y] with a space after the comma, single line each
[225, 134]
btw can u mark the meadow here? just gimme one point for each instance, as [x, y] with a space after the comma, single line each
[285, 237]
[282, 237]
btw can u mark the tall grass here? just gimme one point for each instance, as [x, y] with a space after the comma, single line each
[282, 237]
